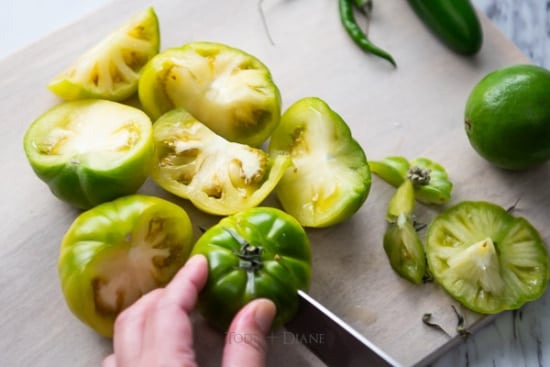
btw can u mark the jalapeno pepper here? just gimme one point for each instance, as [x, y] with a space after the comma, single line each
[454, 22]
[357, 35]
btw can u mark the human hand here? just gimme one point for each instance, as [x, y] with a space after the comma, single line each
[156, 329]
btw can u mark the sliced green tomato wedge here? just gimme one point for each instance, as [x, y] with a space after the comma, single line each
[115, 252]
[91, 151]
[228, 90]
[330, 179]
[487, 259]
[111, 69]
[219, 177]
[405, 250]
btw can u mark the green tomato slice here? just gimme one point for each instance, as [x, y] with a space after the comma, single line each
[227, 89]
[487, 259]
[114, 253]
[405, 250]
[330, 179]
[402, 202]
[91, 151]
[111, 69]
[431, 181]
[218, 176]
[260, 252]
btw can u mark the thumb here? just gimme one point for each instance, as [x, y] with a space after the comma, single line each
[245, 344]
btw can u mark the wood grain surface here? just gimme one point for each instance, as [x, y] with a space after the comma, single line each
[414, 110]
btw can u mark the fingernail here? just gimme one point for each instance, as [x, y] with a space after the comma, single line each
[264, 314]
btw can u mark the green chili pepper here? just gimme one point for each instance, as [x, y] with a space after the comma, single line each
[364, 6]
[454, 22]
[357, 35]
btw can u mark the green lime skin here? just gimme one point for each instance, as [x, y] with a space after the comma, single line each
[507, 116]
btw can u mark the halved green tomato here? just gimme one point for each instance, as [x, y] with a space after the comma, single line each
[91, 151]
[228, 90]
[218, 176]
[114, 253]
[330, 179]
[431, 181]
[487, 259]
[111, 69]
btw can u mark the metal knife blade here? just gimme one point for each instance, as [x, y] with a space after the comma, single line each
[332, 340]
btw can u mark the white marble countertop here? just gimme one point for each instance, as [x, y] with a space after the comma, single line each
[519, 338]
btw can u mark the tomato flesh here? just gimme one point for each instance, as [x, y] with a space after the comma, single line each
[117, 251]
[218, 176]
[486, 258]
[330, 179]
[91, 151]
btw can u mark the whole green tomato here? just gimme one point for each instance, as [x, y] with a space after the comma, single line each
[258, 252]
[91, 151]
[114, 253]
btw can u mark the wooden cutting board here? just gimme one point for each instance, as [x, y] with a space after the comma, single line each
[414, 110]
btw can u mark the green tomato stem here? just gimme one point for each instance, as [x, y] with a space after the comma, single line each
[249, 255]
[419, 176]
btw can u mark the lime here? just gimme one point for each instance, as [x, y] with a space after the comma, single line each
[507, 116]
[111, 69]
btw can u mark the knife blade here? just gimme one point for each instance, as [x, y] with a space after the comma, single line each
[331, 339]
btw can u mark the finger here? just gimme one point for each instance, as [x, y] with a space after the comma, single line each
[169, 330]
[109, 361]
[245, 344]
[129, 329]
[187, 283]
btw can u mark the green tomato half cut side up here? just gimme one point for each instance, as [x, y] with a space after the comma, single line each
[227, 89]
[330, 179]
[91, 151]
[114, 253]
